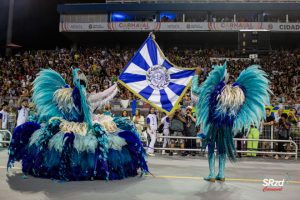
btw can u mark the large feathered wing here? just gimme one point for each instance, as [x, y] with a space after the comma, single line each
[45, 85]
[214, 82]
[99, 99]
[255, 85]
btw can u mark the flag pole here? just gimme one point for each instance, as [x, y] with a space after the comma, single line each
[151, 34]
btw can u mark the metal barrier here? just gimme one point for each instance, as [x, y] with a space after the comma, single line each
[235, 139]
[200, 150]
[10, 135]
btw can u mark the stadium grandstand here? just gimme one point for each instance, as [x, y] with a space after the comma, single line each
[101, 37]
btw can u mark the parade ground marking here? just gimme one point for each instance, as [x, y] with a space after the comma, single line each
[191, 177]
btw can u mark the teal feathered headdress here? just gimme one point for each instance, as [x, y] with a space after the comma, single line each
[53, 97]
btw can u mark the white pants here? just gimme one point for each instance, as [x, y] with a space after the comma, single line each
[1, 139]
[166, 140]
[152, 134]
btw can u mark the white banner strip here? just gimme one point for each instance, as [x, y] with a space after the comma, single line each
[177, 26]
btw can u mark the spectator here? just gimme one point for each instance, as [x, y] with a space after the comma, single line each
[267, 129]
[151, 130]
[186, 101]
[3, 122]
[23, 112]
[278, 115]
[190, 129]
[139, 121]
[240, 144]
[4, 116]
[177, 129]
[166, 131]
[252, 145]
[283, 133]
[125, 114]
[293, 121]
[11, 119]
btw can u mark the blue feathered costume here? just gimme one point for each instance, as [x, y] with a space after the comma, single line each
[66, 144]
[225, 108]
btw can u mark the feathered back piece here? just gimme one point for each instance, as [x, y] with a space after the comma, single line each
[215, 79]
[45, 85]
[255, 85]
[235, 105]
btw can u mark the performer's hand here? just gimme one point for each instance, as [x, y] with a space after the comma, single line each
[198, 71]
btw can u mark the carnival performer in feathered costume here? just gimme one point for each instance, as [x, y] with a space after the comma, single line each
[225, 108]
[68, 145]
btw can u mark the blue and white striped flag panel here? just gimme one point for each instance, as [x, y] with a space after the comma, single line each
[150, 76]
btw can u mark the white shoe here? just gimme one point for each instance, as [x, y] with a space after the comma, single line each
[276, 157]
[163, 152]
[151, 154]
[286, 157]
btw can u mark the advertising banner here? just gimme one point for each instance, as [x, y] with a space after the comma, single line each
[178, 26]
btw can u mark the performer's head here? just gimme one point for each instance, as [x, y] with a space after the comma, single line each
[107, 107]
[124, 113]
[5, 106]
[293, 112]
[189, 109]
[24, 103]
[138, 112]
[152, 110]
[79, 77]
[283, 118]
[268, 111]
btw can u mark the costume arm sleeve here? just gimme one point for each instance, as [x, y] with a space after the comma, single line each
[195, 85]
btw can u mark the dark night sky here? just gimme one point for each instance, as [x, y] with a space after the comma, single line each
[35, 22]
[36, 25]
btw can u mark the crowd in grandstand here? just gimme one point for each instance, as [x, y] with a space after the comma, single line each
[103, 65]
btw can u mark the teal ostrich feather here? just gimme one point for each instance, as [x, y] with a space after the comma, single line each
[255, 85]
[203, 92]
[44, 87]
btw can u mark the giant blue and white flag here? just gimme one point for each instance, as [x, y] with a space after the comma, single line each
[153, 78]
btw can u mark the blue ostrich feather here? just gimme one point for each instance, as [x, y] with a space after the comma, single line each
[121, 164]
[85, 108]
[115, 142]
[57, 142]
[44, 87]
[19, 141]
[34, 158]
[136, 149]
[134, 144]
[101, 168]
[124, 123]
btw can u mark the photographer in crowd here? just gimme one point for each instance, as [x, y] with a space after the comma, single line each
[267, 129]
[177, 129]
[190, 130]
[283, 133]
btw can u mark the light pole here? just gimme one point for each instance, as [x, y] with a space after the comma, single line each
[10, 24]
